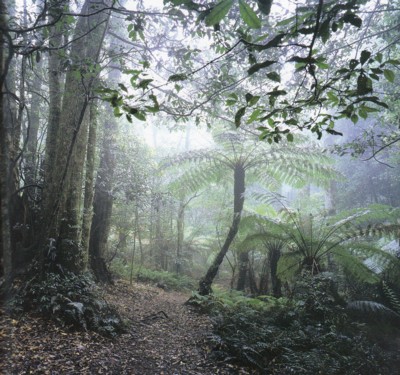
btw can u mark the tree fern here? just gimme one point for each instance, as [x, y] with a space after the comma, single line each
[236, 152]
[311, 239]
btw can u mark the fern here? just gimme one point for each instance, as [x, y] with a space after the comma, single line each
[392, 297]
[372, 309]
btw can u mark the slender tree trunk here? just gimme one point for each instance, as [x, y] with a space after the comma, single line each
[89, 179]
[274, 255]
[243, 270]
[5, 140]
[238, 192]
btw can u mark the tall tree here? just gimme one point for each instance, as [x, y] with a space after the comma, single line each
[66, 172]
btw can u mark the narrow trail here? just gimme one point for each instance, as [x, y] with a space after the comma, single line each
[165, 337]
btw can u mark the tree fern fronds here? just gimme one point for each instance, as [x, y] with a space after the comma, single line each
[394, 300]
[289, 265]
[372, 309]
[354, 266]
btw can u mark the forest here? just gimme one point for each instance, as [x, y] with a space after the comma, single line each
[200, 187]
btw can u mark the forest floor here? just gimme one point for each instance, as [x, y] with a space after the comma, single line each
[165, 336]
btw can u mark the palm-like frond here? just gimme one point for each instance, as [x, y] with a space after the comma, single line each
[372, 309]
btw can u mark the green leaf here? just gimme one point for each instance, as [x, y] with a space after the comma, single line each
[140, 116]
[389, 75]
[218, 12]
[274, 76]
[264, 6]
[238, 117]
[364, 85]
[249, 16]
[122, 87]
[256, 67]
[254, 100]
[255, 115]
[177, 77]
[363, 113]
[354, 118]
[322, 65]
[353, 19]
[277, 93]
[365, 55]
[144, 83]
[324, 31]
[391, 61]
[289, 137]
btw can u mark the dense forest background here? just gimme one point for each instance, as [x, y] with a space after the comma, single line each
[245, 150]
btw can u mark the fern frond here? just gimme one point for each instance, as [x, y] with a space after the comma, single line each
[354, 266]
[372, 309]
[394, 300]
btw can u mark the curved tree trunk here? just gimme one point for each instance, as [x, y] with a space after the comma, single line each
[238, 201]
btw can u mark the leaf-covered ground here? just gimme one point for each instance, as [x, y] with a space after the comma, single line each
[164, 337]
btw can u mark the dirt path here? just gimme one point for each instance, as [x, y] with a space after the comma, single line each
[165, 337]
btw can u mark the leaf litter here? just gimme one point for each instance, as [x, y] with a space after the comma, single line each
[164, 337]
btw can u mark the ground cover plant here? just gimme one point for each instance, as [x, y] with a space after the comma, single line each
[309, 333]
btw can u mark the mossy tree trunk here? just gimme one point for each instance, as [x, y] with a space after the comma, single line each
[89, 179]
[65, 174]
[238, 201]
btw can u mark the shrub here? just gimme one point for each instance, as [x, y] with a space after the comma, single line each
[165, 279]
[70, 300]
[309, 334]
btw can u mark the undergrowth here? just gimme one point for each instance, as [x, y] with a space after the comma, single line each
[70, 300]
[165, 279]
[310, 333]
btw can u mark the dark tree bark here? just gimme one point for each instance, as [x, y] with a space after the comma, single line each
[274, 255]
[5, 140]
[243, 270]
[102, 206]
[238, 201]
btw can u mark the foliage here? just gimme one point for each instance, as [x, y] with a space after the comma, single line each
[71, 301]
[312, 241]
[164, 279]
[308, 334]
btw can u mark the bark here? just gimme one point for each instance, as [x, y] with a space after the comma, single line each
[238, 192]
[102, 206]
[180, 228]
[243, 270]
[274, 255]
[5, 140]
[55, 96]
[264, 278]
[89, 179]
[65, 174]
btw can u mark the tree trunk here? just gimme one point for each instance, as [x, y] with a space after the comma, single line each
[238, 201]
[102, 206]
[64, 190]
[5, 139]
[274, 255]
[89, 178]
[243, 269]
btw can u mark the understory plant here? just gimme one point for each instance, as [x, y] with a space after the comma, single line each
[70, 300]
[310, 333]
